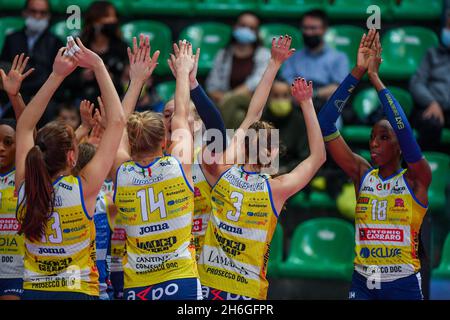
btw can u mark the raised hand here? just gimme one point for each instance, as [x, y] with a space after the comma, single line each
[185, 61]
[171, 62]
[141, 65]
[281, 49]
[96, 135]
[100, 114]
[375, 59]
[86, 108]
[13, 81]
[365, 50]
[64, 65]
[301, 90]
[85, 58]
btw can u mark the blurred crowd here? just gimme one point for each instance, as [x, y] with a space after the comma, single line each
[237, 69]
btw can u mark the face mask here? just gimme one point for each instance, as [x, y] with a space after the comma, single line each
[36, 25]
[280, 107]
[244, 35]
[312, 41]
[445, 37]
[108, 29]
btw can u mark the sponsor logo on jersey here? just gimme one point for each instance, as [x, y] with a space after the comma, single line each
[257, 214]
[165, 163]
[52, 250]
[363, 200]
[153, 228]
[367, 189]
[215, 257]
[58, 201]
[54, 265]
[7, 242]
[383, 186]
[229, 228]
[399, 203]
[65, 186]
[148, 180]
[229, 246]
[197, 192]
[75, 229]
[398, 190]
[380, 252]
[177, 201]
[9, 224]
[157, 245]
[197, 225]
[379, 234]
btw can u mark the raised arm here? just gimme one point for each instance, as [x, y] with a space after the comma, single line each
[13, 81]
[418, 169]
[352, 164]
[95, 172]
[279, 53]
[206, 109]
[26, 124]
[87, 120]
[288, 184]
[182, 140]
[141, 68]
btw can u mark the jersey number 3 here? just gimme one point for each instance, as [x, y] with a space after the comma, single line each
[237, 204]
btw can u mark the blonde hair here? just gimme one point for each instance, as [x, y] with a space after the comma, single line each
[146, 132]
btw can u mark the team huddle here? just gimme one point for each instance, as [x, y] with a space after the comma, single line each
[140, 206]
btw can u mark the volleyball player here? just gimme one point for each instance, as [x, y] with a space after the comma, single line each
[391, 200]
[56, 208]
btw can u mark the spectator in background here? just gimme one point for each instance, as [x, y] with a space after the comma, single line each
[317, 62]
[101, 33]
[69, 113]
[36, 41]
[281, 112]
[237, 70]
[430, 88]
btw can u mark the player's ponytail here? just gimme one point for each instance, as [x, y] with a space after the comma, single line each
[43, 162]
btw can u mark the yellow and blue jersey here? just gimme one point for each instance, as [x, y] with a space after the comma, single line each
[11, 244]
[155, 204]
[202, 207]
[237, 241]
[63, 260]
[387, 219]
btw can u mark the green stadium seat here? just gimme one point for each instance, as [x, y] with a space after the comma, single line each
[445, 136]
[60, 30]
[315, 200]
[60, 6]
[160, 39]
[321, 248]
[210, 37]
[443, 270]
[12, 4]
[289, 8]
[403, 50]
[364, 103]
[276, 253]
[270, 30]
[356, 9]
[346, 39]
[166, 7]
[417, 9]
[440, 168]
[9, 25]
[225, 7]
[166, 90]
